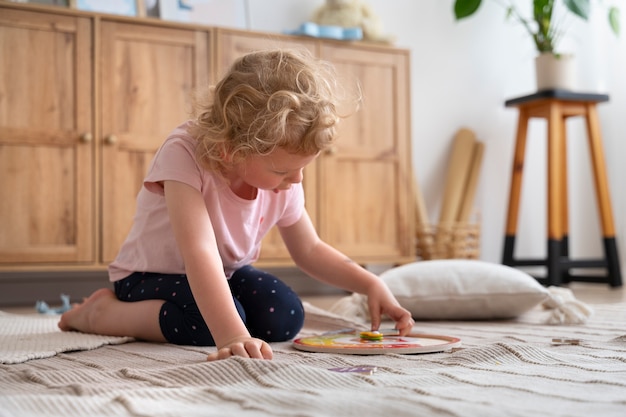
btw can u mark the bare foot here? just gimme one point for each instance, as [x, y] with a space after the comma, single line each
[80, 317]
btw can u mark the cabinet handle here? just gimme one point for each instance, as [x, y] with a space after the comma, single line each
[110, 139]
[86, 137]
[331, 151]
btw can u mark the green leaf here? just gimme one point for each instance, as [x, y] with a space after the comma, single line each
[465, 8]
[614, 19]
[542, 11]
[579, 7]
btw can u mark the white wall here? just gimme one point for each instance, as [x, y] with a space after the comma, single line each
[462, 72]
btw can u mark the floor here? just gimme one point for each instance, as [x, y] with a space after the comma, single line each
[589, 293]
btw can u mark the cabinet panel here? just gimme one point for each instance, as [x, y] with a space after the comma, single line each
[364, 205]
[46, 177]
[148, 74]
[231, 45]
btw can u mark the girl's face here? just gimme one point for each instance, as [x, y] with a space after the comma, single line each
[275, 171]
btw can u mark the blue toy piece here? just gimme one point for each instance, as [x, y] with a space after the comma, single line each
[43, 307]
[329, 32]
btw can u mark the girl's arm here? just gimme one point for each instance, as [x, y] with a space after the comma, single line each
[196, 241]
[326, 264]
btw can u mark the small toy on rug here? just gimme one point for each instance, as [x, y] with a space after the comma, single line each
[352, 14]
[43, 307]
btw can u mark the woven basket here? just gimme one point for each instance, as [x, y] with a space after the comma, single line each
[454, 241]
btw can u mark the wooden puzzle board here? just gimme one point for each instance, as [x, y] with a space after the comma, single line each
[351, 343]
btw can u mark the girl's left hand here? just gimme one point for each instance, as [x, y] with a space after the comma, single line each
[381, 301]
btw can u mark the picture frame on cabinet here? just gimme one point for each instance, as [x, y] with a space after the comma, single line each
[63, 3]
[151, 7]
[121, 7]
[223, 13]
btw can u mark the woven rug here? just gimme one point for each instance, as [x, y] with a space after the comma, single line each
[31, 336]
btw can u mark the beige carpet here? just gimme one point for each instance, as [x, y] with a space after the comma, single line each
[32, 336]
[505, 368]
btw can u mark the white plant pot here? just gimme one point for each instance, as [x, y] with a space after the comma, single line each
[555, 71]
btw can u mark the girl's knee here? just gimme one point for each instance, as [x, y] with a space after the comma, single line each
[274, 311]
[277, 321]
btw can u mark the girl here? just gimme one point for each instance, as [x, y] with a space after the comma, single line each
[216, 186]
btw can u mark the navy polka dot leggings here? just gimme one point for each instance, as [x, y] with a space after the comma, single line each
[269, 308]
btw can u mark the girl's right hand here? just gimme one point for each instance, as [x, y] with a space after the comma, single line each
[246, 347]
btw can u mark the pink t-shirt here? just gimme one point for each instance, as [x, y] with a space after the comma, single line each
[239, 224]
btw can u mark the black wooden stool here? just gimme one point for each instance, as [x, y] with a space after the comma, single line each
[556, 106]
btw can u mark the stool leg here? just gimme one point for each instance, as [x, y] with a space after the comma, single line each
[614, 274]
[556, 163]
[516, 185]
[564, 252]
[603, 196]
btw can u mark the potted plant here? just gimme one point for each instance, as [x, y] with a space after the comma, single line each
[545, 30]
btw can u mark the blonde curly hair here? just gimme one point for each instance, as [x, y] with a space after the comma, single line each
[268, 99]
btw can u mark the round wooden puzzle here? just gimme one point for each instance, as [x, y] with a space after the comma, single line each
[351, 343]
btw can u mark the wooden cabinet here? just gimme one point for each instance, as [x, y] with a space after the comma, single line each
[47, 193]
[85, 101]
[87, 98]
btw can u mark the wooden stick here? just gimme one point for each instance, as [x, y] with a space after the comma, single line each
[420, 205]
[467, 202]
[456, 178]
[422, 225]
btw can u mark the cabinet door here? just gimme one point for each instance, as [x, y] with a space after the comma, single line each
[46, 152]
[230, 46]
[147, 76]
[364, 183]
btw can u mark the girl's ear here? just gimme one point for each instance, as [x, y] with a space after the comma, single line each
[225, 154]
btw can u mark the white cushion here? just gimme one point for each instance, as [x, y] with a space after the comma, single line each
[463, 289]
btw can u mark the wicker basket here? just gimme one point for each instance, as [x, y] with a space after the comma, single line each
[454, 241]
